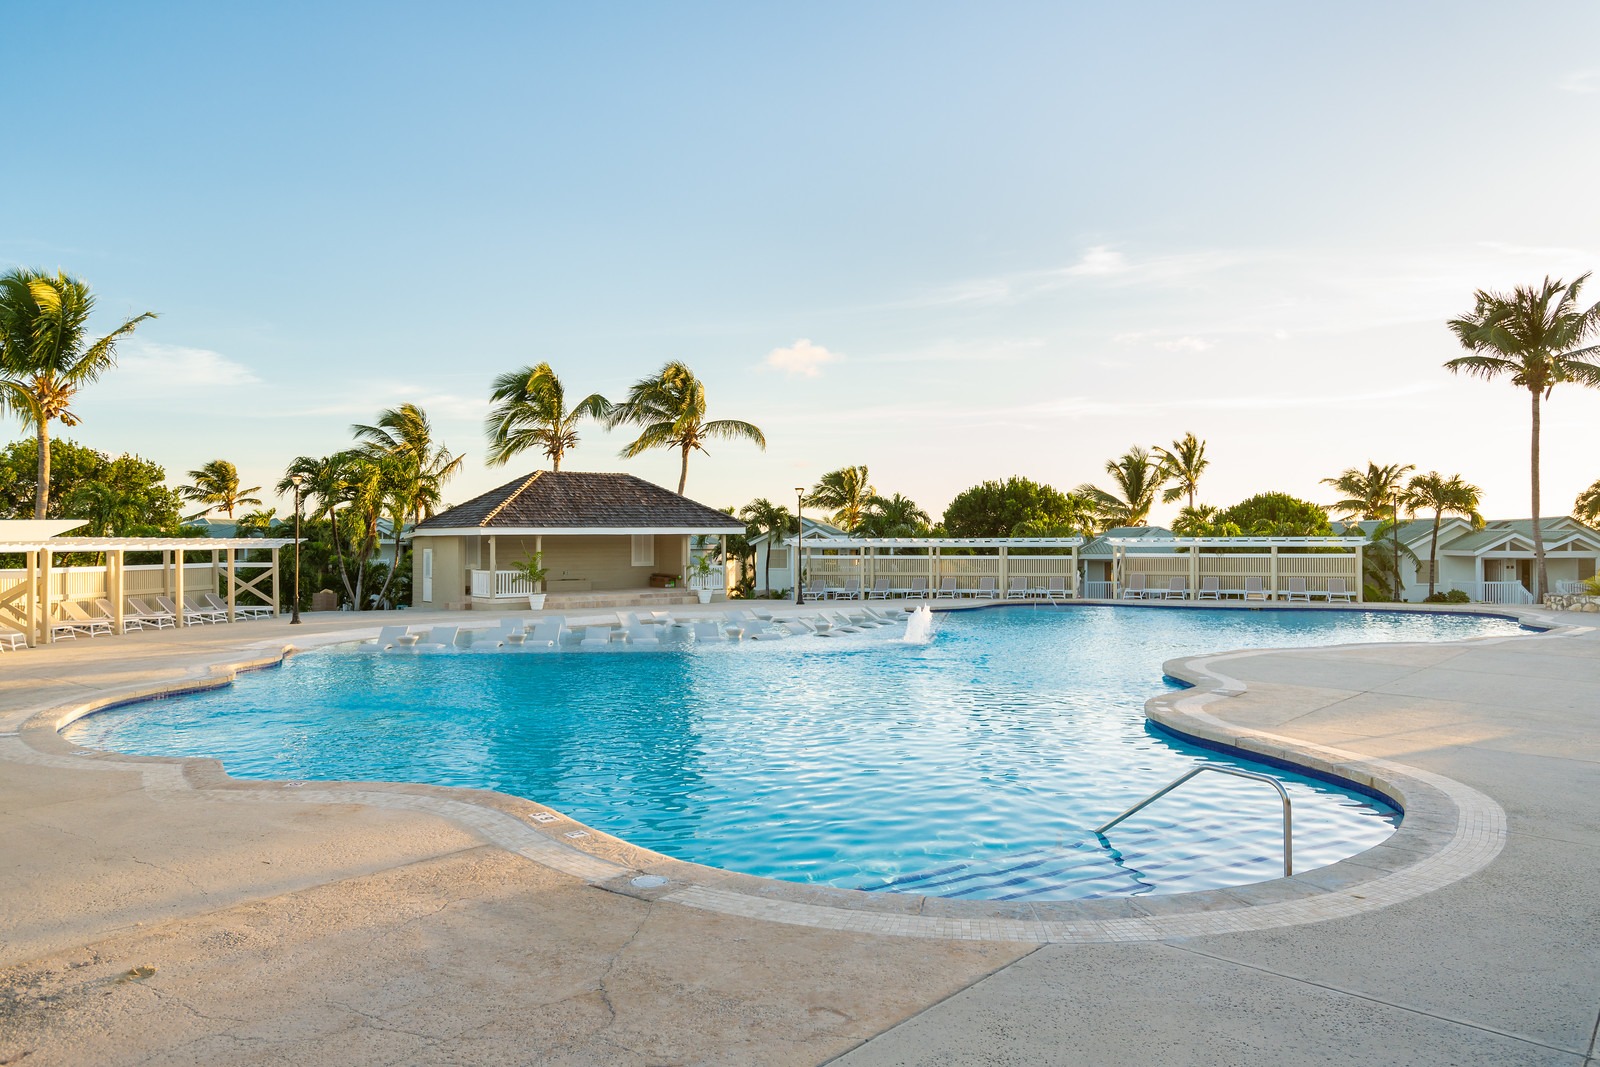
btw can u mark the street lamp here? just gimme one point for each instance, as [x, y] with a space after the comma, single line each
[294, 612]
[799, 535]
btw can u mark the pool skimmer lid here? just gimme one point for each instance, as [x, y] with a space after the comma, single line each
[648, 881]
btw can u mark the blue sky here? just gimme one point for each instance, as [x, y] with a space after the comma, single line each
[952, 242]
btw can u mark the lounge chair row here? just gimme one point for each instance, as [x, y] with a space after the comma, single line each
[552, 631]
[1254, 588]
[988, 588]
[138, 614]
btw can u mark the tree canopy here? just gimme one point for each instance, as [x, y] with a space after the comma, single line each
[136, 502]
[1276, 515]
[995, 509]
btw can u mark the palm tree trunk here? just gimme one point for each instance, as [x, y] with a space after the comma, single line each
[1433, 552]
[1538, 534]
[41, 496]
[683, 476]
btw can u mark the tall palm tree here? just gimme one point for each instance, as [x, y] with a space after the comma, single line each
[670, 409]
[1587, 506]
[846, 492]
[894, 516]
[1182, 464]
[531, 412]
[46, 351]
[1195, 520]
[216, 485]
[1137, 477]
[1537, 337]
[761, 517]
[1369, 494]
[406, 434]
[1444, 496]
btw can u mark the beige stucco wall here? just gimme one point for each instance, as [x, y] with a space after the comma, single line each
[601, 562]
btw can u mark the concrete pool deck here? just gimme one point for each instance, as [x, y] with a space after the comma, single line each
[157, 912]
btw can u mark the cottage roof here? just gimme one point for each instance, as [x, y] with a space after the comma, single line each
[580, 502]
[1100, 547]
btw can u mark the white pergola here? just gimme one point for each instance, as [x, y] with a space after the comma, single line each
[1195, 546]
[879, 553]
[29, 605]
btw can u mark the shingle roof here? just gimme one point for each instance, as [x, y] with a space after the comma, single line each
[579, 500]
[1100, 549]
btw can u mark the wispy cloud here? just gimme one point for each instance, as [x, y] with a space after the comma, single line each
[801, 359]
[1101, 259]
[145, 367]
[1097, 265]
[1582, 81]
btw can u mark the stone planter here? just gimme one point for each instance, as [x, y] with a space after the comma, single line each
[1586, 602]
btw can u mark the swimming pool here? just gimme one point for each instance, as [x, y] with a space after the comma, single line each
[971, 766]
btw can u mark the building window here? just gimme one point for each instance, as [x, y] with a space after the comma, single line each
[644, 550]
[779, 558]
[1428, 571]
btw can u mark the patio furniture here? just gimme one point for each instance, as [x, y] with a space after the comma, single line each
[1338, 590]
[547, 632]
[816, 590]
[396, 637]
[192, 602]
[880, 590]
[129, 622]
[988, 588]
[918, 589]
[240, 611]
[1056, 587]
[1177, 589]
[1135, 589]
[851, 590]
[189, 614]
[439, 637]
[1254, 588]
[11, 640]
[637, 633]
[1297, 590]
[81, 622]
[1210, 588]
[1017, 589]
[946, 590]
[147, 615]
[708, 630]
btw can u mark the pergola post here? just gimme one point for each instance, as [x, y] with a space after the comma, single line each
[233, 588]
[116, 586]
[722, 555]
[277, 597]
[1194, 572]
[1077, 590]
[494, 570]
[1273, 571]
[46, 598]
[1002, 583]
[180, 610]
[32, 608]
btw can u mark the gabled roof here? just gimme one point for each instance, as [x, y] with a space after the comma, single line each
[1101, 548]
[809, 528]
[569, 502]
[1518, 533]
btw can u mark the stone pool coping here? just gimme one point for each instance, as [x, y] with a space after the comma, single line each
[1449, 830]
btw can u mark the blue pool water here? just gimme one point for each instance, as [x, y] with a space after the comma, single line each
[974, 765]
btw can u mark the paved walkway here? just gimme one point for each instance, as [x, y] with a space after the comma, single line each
[157, 912]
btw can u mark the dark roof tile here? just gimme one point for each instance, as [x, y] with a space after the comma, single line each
[582, 500]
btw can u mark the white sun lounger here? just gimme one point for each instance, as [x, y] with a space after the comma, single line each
[816, 590]
[918, 589]
[1297, 590]
[1177, 589]
[439, 637]
[880, 590]
[129, 622]
[946, 590]
[1254, 588]
[189, 614]
[1017, 589]
[988, 588]
[1056, 588]
[147, 615]
[1210, 588]
[1338, 590]
[396, 637]
[81, 622]
[708, 630]
[11, 640]
[546, 632]
[240, 611]
[640, 634]
[207, 613]
[1135, 589]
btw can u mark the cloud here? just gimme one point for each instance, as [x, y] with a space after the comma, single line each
[802, 359]
[1582, 81]
[1100, 259]
[1184, 344]
[145, 366]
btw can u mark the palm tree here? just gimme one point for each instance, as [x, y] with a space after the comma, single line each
[1587, 506]
[406, 434]
[1535, 336]
[847, 492]
[761, 517]
[1195, 520]
[216, 485]
[531, 411]
[45, 350]
[1369, 494]
[1137, 476]
[894, 516]
[1182, 465]
[1445, 496]
[671, 411]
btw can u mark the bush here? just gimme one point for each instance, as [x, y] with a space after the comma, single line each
[1454, 596]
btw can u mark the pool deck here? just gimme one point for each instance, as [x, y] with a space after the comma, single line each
[157, 912]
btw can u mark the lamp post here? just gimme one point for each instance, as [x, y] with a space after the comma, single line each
[1397, 545]
[294, 612]
[799, 535]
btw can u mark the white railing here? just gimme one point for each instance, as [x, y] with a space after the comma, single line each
[1099, 590]
[1495, 592]
[1569, 586]
[499, 585]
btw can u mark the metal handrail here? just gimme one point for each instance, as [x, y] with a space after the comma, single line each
[1288, 844]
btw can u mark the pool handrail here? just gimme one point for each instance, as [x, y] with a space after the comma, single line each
[1288, 843]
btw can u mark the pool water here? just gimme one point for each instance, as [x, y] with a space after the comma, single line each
[973, 765]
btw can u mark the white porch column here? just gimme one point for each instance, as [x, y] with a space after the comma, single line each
[538, 550]
[1194, 572]
[1361, 577]
[1274, 572]
[722, 555]
[494, 572]
[1002, 583]
[1077, 590]
[277, 597]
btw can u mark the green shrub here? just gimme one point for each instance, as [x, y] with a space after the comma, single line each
[1593, 585]
[1454, 596]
